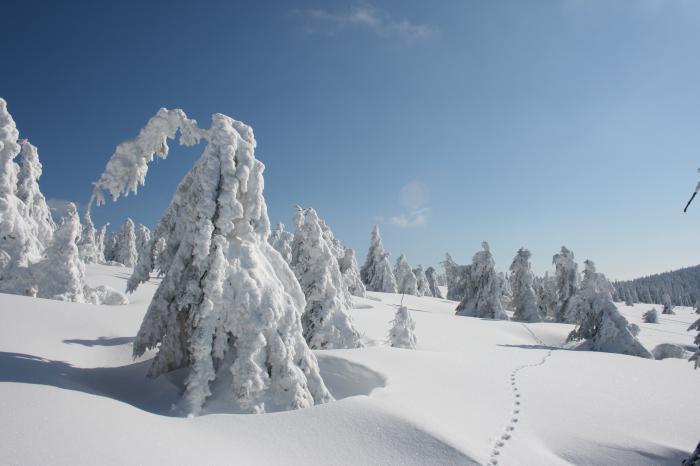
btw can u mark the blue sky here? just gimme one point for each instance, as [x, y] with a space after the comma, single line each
[524, 123]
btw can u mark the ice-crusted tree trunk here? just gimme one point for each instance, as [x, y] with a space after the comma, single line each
[566, 280]
[524, 300]
[125, 250]
[421, 282]
[28, 191]
[326, 322]
[483, 294]
[228, 307]
[667, 304]
[406, 282]
[403, 330]
[597, 319]
[87, 244]
[431, 278]
[351, 273]
[19, 241]
[457, 278]
[376, 272]
[281, 241]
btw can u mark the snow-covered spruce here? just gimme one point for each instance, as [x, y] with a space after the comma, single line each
[651, 316]
[668, 305]
[483, 291]
[597, 319]
[28, 191]
[696, 356]
[88, 243]
[326, 322]
[376, 272]
[402, 333]
[281, 241]
[143, 240]
[546, 290]
[351, 273]
[431, 278]
[456, 278]
[421, 282]
[524, 301]
[406, 282]
[228, 307]
[125, 250]
[566, 280]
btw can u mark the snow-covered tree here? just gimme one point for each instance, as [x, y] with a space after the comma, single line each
[326, 322]
[597, 319]
[566, 279]
[28, 191]
[483, 292]
[351, 273]
[228, 307]
[125, 250]
[87, 244]
[421, 282]
[402, 333]
[110, 245]
[405, 279]
[456, 278]
[376, 272]
[431, 278]
[546, 290]
[281, 241]
[668, 306]
[524, 300]
[61, 274]
[651, 316]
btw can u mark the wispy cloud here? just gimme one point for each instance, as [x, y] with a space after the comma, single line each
[414, 199]
[409, 219]
[363, 16]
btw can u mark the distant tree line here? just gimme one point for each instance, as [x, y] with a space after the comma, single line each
[682, 286]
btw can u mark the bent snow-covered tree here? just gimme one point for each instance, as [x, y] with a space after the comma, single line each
[597, 319]
[326, 322]
[431, 278]
[524, 301]
[376, 272]
[402, 333]
[28, 191]
[228, 307]
[406, 282]
[484, 289]
[566, 280]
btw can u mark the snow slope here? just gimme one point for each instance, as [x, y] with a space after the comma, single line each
[474, 392]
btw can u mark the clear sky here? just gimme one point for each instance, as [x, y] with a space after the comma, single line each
[524, 123]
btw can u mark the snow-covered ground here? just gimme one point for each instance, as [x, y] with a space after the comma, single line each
[474, 392]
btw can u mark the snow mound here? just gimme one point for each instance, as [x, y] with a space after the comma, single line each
[669, 350]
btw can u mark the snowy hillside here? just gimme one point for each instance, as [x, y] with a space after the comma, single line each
[474, 391]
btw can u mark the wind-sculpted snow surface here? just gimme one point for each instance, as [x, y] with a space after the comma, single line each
[228, 307]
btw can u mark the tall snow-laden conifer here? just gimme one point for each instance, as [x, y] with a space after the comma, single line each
[326, 322]
[524, 300]
[100, 239]
[457, 277]
[566, 279]
[28, 191]
[421, 282]
[406, 282]
[228, 307]
[483, 292]
[431, 277]
[125, 250]
[143, 240]
[376, 273]
[351, 273]
[87, 244]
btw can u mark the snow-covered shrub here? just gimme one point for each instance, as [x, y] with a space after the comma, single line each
[566, 280]
[456, 278]
[634, 329]
[524, 301]
[431, 278]
[651, 316]
[483, 292]
[405, 279]
[125, 251]
[376, 272]
[326, 322]
[421, 282]
[281, 241]
[28, 191]
[597, 319]
[668, 305]
[87, 244]
[228, 307]
[351, 273]
[402, 333]
[669, 351]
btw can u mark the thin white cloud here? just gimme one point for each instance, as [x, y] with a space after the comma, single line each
[410, 219]
[414, 198]
[363, 16]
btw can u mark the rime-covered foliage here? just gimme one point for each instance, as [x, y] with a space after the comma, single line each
[405, 279]
[681, 285]
[668, 305]
[88, 242]
[351, 273]
[281, 241]
[376, 272]
[125, 250]
[402, 333]
[431, 278]
[524, 301]
[110, 245]
[326, 322]
[483, 291]
[143, 240]
[228, 307]
[421, 282]
[598, 321]
[28, 191]
[100, 238]
[546, 291]
[61, 274]
[566, 279]
[456, 278]
[19, 240]
[651, 316]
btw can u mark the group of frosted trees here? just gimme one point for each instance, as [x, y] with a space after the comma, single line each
[680, 285]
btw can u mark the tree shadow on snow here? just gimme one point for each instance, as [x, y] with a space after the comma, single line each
[539, 347]
[101, 341]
